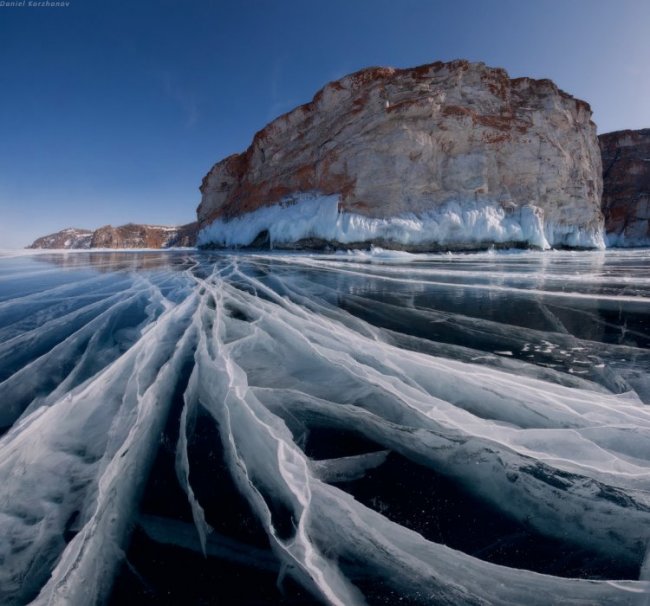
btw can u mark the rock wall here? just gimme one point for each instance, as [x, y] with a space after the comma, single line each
[143, 236]
[626, 191]
[71, 237]
[468, 155]
[125, 236]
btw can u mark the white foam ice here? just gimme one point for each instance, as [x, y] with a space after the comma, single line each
[477, 222]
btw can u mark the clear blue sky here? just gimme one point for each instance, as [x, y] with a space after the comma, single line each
[113, 110]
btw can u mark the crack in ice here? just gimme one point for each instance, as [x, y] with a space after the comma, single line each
[273, 347]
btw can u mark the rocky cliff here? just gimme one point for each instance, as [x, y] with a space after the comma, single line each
[442, 156]
[124, 236]
[70, 237]
[626, 192]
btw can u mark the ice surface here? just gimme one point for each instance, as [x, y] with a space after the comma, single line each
[344, 469]
[108, 360]
[473, 222]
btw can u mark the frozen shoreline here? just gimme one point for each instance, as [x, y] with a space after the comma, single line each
[454, 225]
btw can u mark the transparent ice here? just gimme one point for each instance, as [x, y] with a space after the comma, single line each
[328, 386]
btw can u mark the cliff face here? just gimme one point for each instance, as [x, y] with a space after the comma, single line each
[440, 156]
[124, 236]
[626, 193]
[66, 238]
[143, 236]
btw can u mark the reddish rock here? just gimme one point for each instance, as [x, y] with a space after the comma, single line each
[394, 142]
[626, 186]
[124, 236]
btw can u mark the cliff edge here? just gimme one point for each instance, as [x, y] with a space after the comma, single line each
[130, 235]
[626, 193]
[443, 156]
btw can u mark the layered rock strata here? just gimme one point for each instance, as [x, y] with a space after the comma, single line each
[130, 235]
[626, 192]
[442, 156]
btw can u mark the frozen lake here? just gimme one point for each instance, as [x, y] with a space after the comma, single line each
[363, 428]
